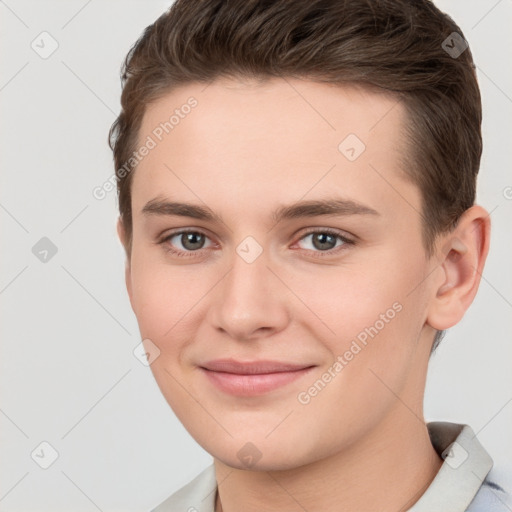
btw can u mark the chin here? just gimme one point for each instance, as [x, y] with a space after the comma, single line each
[260, 454]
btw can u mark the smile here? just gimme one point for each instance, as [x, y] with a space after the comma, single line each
[253, 378]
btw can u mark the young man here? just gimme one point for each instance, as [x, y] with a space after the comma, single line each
[296, 190]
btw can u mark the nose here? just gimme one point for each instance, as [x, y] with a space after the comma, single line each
[250, 302]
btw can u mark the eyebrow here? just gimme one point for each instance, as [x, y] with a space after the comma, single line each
[301, 209]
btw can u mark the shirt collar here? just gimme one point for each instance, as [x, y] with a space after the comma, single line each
[465, 466]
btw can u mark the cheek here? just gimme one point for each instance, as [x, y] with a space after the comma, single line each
[166, 302]
[348, 299]
[171, 304]
[372, 310]
[162, 296]
[373, 353]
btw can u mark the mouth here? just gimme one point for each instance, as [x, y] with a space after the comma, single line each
[252, 378]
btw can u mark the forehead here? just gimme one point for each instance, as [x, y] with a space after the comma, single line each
[284, 137]
[234, 108]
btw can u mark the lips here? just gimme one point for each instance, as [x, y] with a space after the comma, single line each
[252, 378]
[252, 368]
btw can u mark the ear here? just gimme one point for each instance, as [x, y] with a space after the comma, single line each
[462, 258]
[121, 232]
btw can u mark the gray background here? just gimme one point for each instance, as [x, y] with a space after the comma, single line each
[68, 373]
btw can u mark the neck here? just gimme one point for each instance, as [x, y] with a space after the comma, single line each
[388, 470]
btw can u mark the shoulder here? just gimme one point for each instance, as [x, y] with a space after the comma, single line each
[196, 496]
[492, 496]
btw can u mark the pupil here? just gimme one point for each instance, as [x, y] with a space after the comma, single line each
[189, 239]
[325, 241]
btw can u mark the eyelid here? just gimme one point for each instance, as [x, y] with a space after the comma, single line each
[343, 235]
[303, 234]
[164, 239]
[347, 241]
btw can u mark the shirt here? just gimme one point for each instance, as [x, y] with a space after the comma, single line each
[462, 484]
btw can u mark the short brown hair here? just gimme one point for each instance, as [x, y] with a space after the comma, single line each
[405, 47]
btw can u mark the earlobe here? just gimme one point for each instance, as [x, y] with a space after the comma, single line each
[462, 259]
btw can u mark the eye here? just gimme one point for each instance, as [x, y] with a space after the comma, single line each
[190, 243]
[185, 243]
[325, 240]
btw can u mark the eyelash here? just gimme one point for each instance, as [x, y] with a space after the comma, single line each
[316, 254]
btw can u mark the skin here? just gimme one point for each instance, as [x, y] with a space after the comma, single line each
[245, 150]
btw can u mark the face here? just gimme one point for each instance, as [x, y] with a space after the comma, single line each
[273, 225]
